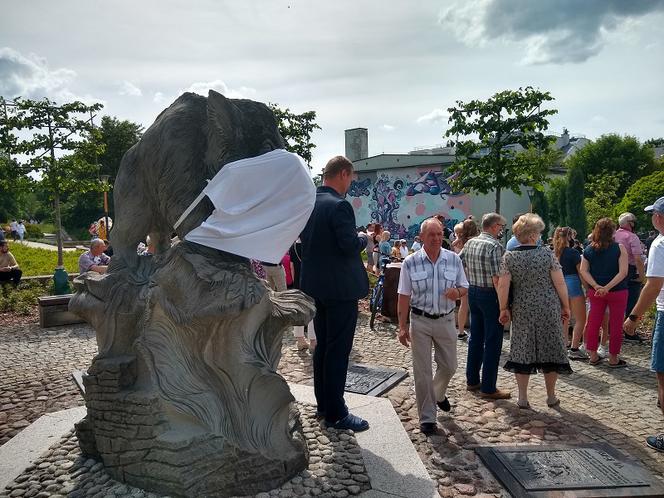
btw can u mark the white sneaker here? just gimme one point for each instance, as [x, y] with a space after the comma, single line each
[602, 352]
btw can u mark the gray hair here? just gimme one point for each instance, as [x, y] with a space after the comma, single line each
[428, 222]
[490, 219]
[96, 242]
[626, 218]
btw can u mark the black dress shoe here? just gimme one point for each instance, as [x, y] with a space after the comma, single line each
[428, 428]
[444, 405]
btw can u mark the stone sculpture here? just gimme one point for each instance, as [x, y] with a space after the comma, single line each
[183, 397]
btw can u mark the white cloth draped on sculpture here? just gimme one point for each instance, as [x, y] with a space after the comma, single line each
[261, 205]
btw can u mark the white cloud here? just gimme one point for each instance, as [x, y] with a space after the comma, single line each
[565, 31]
[129, 89]
[387, 127]
[435, 116]
[30, 77]
[202, 88]
[159, 98]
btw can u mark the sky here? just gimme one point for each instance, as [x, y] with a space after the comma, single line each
[394, 67]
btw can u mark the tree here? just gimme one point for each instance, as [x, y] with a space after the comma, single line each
[493, 132]
[116, 137]
[604, 197]
[643, 193]
[576, 212]
[14, 184]
[615, 154]
[541, 207]
[556, 196]
[654, 142]
[44, 127]
[296, 130]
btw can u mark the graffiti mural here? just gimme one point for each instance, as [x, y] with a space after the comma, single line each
[401, 199]
[359, 188]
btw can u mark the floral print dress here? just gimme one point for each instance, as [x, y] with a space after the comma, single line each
[536, 339]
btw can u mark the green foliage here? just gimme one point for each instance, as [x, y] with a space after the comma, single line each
[643, 193]
[604, 198]
[35, 129]
[541, 207]
[576, 212]
[23, 299]
[613, 154]
[654, 142]
[556, 197]
[33, 232]
[486, 158]
[35, 261]
[296, 130]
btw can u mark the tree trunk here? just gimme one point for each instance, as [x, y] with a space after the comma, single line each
[498, 200]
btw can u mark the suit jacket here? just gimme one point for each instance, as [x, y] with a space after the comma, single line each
[331, 264]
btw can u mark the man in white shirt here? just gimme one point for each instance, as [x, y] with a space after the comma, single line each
[431, 281]
[654, 291]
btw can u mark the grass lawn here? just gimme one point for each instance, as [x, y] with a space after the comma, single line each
[42, 261]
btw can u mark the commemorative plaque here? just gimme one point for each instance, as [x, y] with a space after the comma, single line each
[372, 380]
[568, 470]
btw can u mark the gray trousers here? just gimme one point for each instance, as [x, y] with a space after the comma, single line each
[429, 388]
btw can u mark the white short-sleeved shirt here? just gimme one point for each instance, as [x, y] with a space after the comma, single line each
[656, 266]
[426, 282]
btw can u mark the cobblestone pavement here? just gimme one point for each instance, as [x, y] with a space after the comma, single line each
[336, 469]
[35, 372]
[617, 406]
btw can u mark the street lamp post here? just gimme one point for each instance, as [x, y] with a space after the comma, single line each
[104, 180]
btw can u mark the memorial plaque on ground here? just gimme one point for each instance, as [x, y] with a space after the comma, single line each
[568, 470]
[372, 380]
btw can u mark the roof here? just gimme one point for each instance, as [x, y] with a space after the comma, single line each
[391, 161]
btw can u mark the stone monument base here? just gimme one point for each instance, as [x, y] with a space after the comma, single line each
[135, 436]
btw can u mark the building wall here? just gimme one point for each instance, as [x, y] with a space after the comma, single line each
[401, 198]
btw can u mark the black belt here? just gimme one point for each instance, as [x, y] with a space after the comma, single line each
[423, 313]
[270, 264]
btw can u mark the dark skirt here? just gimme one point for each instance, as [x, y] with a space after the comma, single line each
[533, 368]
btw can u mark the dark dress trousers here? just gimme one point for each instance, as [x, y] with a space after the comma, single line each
[333, 274]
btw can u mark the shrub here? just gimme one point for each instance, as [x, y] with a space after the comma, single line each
[641, 194]
[33, 232]
[23, 299]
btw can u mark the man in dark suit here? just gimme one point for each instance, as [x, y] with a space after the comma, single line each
[334, 275]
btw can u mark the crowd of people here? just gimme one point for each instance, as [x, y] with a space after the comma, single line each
[561, 300]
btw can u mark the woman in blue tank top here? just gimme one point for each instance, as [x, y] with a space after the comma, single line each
[604, 269]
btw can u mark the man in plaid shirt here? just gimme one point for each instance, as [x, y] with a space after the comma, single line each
[481, 257]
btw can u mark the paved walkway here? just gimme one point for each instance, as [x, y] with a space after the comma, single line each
[597, 404]
[41, 245]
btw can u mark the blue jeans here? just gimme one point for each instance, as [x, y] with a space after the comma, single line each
[486, 339]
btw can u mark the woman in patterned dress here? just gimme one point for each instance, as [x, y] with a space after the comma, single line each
[538, 308]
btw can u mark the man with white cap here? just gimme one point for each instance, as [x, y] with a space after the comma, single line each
[654, 291]
[334, 275]
[625, 235]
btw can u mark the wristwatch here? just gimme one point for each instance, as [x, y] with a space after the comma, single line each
[634, 318]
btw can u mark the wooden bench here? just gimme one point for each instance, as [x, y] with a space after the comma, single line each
[54, 311]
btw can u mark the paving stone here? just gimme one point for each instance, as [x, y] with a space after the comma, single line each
[618, 407]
